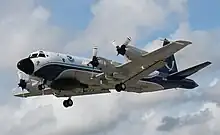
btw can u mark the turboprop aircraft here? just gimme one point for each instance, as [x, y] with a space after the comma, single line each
[64, 75]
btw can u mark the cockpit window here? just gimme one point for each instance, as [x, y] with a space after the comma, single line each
[41, 54]
[33, 55]
[37, 54]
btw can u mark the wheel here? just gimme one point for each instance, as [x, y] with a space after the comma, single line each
[120, 87]
[65, 103]
[123, 86]
[70, 102]
[41, 87]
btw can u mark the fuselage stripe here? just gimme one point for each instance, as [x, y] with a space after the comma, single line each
[74, 66]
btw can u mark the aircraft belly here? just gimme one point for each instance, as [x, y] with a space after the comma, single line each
[83, 76]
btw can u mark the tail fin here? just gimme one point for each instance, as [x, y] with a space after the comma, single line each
[187, 72]
[171, 66]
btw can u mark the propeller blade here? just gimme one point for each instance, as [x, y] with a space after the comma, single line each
[94, 62]
[127, 41]
[114, 43]
[23, 76]
[95, 51]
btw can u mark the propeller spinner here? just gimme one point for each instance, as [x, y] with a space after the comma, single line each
[23, 80]
[122, 48]
[165, 41]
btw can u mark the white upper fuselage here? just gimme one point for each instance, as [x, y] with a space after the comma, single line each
[43, 58]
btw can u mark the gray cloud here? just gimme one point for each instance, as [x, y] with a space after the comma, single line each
[117, 19]
[24, 27]
[171, 123]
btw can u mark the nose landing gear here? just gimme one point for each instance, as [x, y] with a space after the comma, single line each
[42, 85]
[68, 103]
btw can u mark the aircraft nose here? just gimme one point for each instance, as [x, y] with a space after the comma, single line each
[26, 65]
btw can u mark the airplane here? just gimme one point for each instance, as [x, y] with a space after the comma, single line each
[64, 75]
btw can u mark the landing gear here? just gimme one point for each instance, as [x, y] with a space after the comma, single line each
[120, 87]
[68, 102]
[42, 86]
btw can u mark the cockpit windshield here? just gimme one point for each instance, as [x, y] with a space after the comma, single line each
[41, 54]
[34, 55]
[37, 54]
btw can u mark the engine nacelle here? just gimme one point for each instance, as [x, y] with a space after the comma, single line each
[118, 76]
[106, 65]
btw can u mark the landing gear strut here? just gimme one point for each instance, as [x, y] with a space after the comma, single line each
[120, 87]
[42, 86]
[68, 102]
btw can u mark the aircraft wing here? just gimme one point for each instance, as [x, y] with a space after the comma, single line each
[149, 62]
[33, 93]
[144, 86]
[133, 53]
[136, 77]
[80, 92]
[49, 91]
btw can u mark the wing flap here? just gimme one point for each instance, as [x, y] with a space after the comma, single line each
[145, 86]
[82, 93]
[136, 77]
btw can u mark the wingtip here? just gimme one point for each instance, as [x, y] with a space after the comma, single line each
[184, 42]
[208, 63]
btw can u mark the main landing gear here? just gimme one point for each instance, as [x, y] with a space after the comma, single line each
[68, 103]
[120, 87]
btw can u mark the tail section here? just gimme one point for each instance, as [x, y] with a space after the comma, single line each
[171, 66]
[187, 72]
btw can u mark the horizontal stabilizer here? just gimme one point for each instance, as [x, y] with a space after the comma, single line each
[187, 72]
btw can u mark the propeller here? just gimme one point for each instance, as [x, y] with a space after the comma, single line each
[23, 80]
[94, 62]
[165, 41]
[122, 48]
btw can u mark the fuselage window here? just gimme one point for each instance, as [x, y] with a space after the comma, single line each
[71, 59]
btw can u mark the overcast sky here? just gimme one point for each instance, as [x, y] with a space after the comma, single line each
[74, 27]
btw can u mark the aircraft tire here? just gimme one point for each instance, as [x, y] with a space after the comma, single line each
[123, 86]
[120, 87]
[70, 102]
[65, 103]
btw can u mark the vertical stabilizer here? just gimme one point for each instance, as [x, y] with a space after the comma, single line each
[171, 66]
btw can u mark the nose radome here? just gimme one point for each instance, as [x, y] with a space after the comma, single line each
[26, 65]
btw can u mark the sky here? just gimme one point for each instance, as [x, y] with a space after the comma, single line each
[74, 27]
